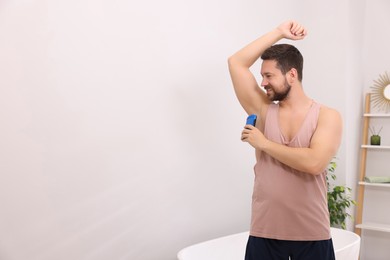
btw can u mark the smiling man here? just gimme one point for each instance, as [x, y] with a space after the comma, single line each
[294, 139]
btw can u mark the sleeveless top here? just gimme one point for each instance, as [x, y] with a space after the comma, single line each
[288, 204]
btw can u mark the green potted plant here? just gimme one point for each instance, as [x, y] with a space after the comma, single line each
[339, 199]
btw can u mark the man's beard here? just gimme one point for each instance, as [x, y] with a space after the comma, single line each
[280, 96]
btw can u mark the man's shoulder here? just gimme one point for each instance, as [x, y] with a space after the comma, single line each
[328, 110]
[329, 114]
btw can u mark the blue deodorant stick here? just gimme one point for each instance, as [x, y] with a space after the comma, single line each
[251, 120]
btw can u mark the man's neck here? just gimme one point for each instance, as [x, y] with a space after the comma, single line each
[296, 99]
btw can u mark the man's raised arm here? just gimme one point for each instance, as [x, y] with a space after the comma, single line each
[250, 96]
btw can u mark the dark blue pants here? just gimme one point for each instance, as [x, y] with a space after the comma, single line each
[272, 249]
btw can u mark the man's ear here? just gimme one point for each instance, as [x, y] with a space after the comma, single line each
[292, 75]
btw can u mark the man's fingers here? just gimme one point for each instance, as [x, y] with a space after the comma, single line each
[244, 134]
[297, 30]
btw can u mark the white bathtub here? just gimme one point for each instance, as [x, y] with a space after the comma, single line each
[346, 246]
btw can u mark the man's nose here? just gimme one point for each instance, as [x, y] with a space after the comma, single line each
[264, 82]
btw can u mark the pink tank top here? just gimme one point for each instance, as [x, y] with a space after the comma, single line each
[288, 204]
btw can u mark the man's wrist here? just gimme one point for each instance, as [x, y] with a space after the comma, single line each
[265, 145]
[278, 34]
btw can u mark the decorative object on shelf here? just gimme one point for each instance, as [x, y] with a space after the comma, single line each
[377, 179]
[381, 92]
[375, 137]
[375, 140]
[339, 199]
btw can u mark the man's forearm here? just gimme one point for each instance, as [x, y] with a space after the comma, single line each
[248, 55]
[302, 159]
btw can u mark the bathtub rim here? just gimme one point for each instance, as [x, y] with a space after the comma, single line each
[357, 241]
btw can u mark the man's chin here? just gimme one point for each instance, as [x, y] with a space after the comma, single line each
[270, 97]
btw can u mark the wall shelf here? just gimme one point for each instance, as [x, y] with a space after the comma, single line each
[376, 115]
[374, 226]
[375, 146]
[363, 185]
[383, 185]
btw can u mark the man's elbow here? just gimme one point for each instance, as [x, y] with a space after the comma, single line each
[316, 168]
[231, 61]
[236, 61]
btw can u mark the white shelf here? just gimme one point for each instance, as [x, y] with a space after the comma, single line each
[374, 226]
[384, 185]
[376, 146]
[380, 116]
[377, 115]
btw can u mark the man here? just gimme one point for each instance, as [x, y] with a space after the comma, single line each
[294, 139]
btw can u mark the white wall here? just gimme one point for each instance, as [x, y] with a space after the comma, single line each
[119, 126]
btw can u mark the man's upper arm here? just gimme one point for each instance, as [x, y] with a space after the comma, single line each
[248, 92]
[327, 137]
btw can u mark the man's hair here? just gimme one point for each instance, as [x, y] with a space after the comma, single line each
[286, 57]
